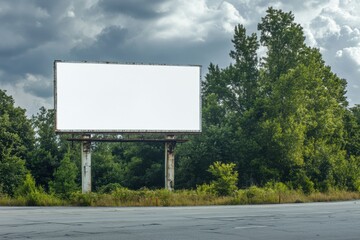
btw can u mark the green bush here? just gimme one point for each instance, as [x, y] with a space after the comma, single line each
[83, 199]
[357, 185]
[164, 197]
[256, 195]
[240, 197]
[124, 195]
[34, 196]
[206, 189]
[226, 178]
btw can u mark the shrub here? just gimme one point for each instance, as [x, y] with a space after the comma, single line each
[164, 197]
[83, 199]
[226, 178]
[357, 184]
[34, 196]
[109, 188]
[279, 188]
[124, 195]
[206, 189]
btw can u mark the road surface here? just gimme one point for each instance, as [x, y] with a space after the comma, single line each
[320, 221]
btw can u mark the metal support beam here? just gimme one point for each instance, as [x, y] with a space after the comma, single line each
[170, 163]
[86, 165]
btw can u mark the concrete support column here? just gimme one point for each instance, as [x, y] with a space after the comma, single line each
[170, 164]
[86, 165]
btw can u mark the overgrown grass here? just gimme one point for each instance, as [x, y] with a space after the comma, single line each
[145, 197]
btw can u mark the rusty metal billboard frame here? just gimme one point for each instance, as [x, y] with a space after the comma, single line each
[125, 131]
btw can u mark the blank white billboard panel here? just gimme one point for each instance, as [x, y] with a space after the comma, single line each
[111, 97]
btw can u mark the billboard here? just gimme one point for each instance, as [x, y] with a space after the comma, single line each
[126, 98]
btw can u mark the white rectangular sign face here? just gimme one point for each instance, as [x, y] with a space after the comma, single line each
[126, 98]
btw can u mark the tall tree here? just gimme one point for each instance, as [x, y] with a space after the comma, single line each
[47, 153]
[284, 116]
[284, 40]
[303, 106]
[65, 177]
[16, 141]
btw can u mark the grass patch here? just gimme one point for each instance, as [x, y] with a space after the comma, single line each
[125, 197]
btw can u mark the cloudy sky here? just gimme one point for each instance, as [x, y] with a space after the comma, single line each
[34, 33]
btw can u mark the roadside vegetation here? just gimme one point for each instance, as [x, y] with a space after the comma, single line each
[277, 128]
[221, 191]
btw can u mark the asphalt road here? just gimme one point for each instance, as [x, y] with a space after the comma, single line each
[340, 220]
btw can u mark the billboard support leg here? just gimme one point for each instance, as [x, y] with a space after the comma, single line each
[169, 163]
[86, 165]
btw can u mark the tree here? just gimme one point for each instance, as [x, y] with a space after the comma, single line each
[105, 170]
[143, 164]
[130, 165]
[302, 106]
[12, 173]
[282, 117]
[352, 125]
[65, 177]
[49, 148]
[16, 141]
[284, 40]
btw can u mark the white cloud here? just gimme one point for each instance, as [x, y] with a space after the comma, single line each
[353, 53]
[195, 20]
[71, 14]
[27, 100]
[324, 26]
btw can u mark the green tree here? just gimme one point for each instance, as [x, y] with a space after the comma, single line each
[193, 157]
[65, 177]
[284, 41]
[12, 172]
[46, 155]
[302, 104]
[49, 148]
[132, 165]
[352, 125]
[143, 164]
[105, 170]
[278, 120]
[16, 141]
[352, 168]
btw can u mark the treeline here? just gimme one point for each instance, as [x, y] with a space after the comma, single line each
[280, 117]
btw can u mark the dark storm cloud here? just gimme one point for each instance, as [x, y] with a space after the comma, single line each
[113, 44]
[26, 29]
[33, 33]
[109, 45]
[140, 9]
[38, 86]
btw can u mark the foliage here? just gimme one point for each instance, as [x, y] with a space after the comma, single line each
[281, 120]
[34, 196]
[109, 188]
[16, 141]
[127, 164]
[105, 170]
[65, 178]
[49, 148]
[83, 199]
[225, 176]
[145, 197]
